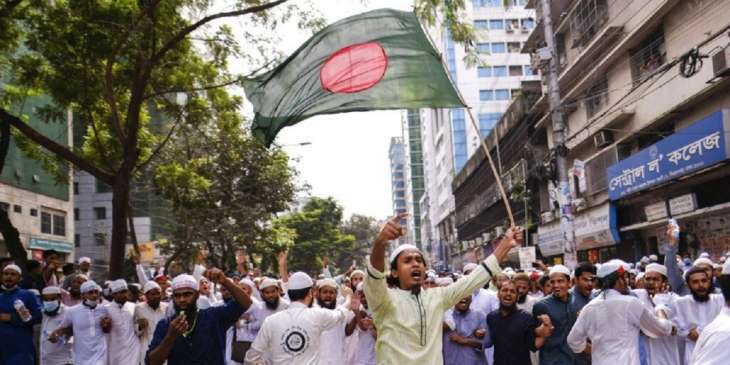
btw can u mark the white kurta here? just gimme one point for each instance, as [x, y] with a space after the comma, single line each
[662, 350]
[365, 348]
[693, 314]
[54, 353]
[90, 346]
[143, 310]
[713, 346]
[612, 323]
[486, 301]
[293, 336]
[124, 345]
[332, 344]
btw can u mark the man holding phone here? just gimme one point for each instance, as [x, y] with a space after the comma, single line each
[192, 335]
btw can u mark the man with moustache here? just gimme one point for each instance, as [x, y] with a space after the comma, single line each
[522, 284]
[16, 324]
[697, 310]
[124, 345]
[147, 314]
[60, 353]
[294, 335]
[464, 343]
[561, 310]
[517, 332]
[196, 336]
[410, 321]
[712, 346]
[271, 296]
[332, 345]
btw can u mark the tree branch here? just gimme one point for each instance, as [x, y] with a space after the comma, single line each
[191, 28]
[158, 149]
[56, 148]
[109, 91]
[202, 88]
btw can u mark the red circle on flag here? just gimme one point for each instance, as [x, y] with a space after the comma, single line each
[354, 68]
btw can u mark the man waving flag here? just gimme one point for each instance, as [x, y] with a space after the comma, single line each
[376, 60]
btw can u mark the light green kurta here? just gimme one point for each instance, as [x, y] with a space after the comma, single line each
[410, 326]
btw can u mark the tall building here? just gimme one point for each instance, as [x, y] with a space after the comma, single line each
[648, 125]
[398, 179]
[449, 139]
[38, 205]
[414, 176]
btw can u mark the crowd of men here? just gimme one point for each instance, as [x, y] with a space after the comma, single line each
[647, 313]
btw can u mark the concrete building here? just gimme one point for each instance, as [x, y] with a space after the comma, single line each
[448, 137]
[38, 205]
[414, 176]
[399, 182]
[648, 125]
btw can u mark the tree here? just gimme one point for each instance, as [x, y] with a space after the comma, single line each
[224, 187]
[113, 63]
[318, 234]
[364, 229]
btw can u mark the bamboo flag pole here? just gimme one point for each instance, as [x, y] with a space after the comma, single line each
[497, 177]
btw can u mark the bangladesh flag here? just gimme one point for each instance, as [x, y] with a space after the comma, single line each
[376, 60]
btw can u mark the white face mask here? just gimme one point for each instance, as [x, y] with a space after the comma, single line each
[50, 306]
[91, 303]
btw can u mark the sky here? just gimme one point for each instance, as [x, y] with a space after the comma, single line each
[348, 155]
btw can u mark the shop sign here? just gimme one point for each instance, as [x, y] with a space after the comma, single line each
[527, 257]
[45, 245]
[683, 204]
[596, 227]
[656, 211]
[695, 147]
[550, 239]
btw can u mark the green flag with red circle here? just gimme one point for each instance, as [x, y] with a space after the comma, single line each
[371, 61]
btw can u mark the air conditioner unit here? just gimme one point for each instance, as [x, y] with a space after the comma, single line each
[721, 63]
[602, 139]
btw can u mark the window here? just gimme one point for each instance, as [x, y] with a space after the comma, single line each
[588, 18]
[487, 121]
[493, 2]
[501, 94]
[483, 48]
[76, 188]
[59, 225]
[77, 240]
[481, 24]
[400, 194]
[484, 71]
[4, 206]
[596, 177]
[513, 24]
[515, 93]
[528, 23]
[46, 223]
[498, 48]
[513, 47]
[100, 213]
[17, 209]
[597, 97]
[76, 214]
[102, 187]
[500, 71]
[496, 24]
[649, 56]
[520, 2]
[34, 212]
[528, 71]
[100, 239]
[486, 95]
[515, 70]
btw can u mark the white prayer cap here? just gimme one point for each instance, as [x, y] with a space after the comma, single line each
[726, 268]
[444, 281]
[400, 249]
[702, 261]
[623, 263]
[653, 258]
[300, 280]
[357, 272]
[469, 267]
[117, 285]
[268, 282]
[184, 281]
[608, 268]
[640, 276]
[50, 290]
[88, 286]
[644, 260]
[656, 268]
[13, 267]
[359, 287]
[559, 269]
[717, 266]
[248, 282]
[327, 282]
[150, 285]
[84, 260]
[705, 255]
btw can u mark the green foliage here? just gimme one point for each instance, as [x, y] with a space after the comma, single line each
[365, 229]
[318, 234]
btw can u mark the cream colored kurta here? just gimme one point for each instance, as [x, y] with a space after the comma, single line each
[410, 326]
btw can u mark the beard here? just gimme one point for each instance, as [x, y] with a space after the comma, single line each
[272, 304]
[329, 304]
[189, 312]
[522, 298]
[701, 298]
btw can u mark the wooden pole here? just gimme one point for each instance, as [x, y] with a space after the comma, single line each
[502, 192]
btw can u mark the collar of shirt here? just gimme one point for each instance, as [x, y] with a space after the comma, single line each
[297, 305]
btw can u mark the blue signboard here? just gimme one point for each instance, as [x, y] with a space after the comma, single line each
[695, 147]
[44, 244]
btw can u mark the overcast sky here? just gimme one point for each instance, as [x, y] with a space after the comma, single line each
[348, 155]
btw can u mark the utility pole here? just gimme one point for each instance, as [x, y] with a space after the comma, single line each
[559, 137]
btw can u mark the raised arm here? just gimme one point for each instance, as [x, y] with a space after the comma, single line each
[376, 290]
[282, 257]
[670, 261]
